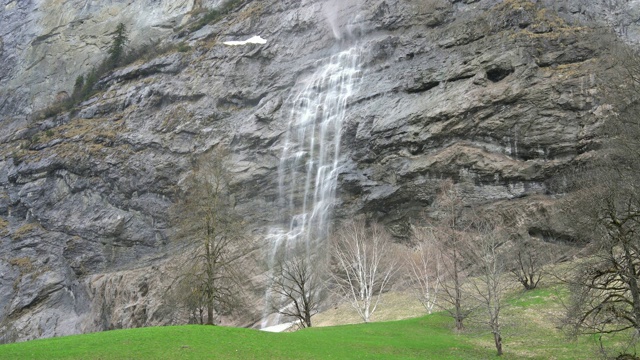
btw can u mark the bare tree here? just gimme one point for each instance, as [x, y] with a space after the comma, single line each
[365, 263]
[528, 263]
[205, 219]
[426, 268]
[491, 284]
[299, 281]
[604, 210]
[605, 289]
[452, 236]
[187, 294]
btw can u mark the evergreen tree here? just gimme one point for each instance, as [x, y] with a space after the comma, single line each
[116, 51]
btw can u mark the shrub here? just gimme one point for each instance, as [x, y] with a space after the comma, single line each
[4, 224]
[25, 230]
[24, 263]
[183, 47]
[146, 52]
[214, 15]
[79, 84]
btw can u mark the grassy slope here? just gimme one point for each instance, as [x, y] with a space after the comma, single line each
[529, 333]
[401, 339]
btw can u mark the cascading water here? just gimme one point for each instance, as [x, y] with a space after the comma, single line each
[310, 158]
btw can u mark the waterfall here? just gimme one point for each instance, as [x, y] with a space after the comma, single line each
[310, 160]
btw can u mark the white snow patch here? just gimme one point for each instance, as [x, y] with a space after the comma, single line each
[279, 327]
[252, 40]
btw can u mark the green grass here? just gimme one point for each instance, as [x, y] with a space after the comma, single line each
[545, 297]
[529, 333]
[426, 337]
[531, 329]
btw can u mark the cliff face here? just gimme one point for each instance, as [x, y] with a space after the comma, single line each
[46, 44]
[498, 95]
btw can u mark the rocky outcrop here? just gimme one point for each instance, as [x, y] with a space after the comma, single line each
[46, 44]
[498, 95]
[505, 114]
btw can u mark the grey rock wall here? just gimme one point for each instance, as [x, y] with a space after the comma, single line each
[46, 44]
[498, 95]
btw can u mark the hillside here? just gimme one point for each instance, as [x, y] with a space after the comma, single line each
[529, 335]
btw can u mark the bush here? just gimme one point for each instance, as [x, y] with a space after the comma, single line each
[24, 263]
[183, 47]
[79, 84]
[25, 230]
[147, 52]
[214, 15]
[4, 224]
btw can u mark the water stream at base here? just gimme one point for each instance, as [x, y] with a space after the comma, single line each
[310, 160]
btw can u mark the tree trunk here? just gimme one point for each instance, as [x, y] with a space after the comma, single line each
[633, 285]
[458, 295]
[498, 340]
[366, 311]
[210, 313]
[307, 319]
[459, 324]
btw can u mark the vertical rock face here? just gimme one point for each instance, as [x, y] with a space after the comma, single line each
[620, 15]
[500, 99]
[501, 96]
[46, 44]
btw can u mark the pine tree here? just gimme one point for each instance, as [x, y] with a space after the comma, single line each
[116, 51]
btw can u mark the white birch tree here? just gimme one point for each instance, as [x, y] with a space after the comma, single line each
[365, 262]
[426, 268]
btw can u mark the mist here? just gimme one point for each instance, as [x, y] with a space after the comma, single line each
[332, 10]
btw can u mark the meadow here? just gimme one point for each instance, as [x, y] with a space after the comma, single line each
[530, 332]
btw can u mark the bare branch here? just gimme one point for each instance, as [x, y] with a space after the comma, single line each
[365, 262]
[299, 280]
[206, 220]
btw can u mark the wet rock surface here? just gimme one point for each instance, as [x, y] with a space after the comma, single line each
[498, 95]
